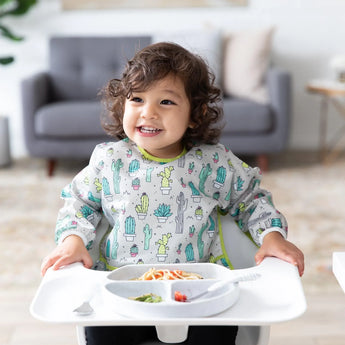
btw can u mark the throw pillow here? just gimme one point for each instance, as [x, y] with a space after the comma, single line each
[206, 43]
[246, 59]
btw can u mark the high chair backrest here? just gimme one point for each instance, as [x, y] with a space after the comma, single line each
[241, 251]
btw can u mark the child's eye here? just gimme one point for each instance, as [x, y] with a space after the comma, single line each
[136, 99]
[167, 102]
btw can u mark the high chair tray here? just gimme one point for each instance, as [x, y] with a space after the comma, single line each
[276, 296]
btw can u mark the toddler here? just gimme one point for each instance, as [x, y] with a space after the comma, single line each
[164, 184]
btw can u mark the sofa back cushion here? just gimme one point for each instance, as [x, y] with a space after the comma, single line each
[246, 59]
[81, 66]
[206, 43]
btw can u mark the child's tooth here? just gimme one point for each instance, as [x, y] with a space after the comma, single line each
[146, 129]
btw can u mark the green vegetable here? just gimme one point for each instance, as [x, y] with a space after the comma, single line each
[148, 298]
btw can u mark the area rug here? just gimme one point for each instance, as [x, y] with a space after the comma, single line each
[311, 196]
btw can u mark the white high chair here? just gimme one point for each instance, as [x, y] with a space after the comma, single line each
[241, 251]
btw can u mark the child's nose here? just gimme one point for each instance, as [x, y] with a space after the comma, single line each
[149, 111]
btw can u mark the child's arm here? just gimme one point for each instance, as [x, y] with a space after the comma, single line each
[71, 250]
[274, 244]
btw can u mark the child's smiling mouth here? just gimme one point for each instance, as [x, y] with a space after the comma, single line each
[148, 130]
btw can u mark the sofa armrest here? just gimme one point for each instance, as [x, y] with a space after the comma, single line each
[279, 85]
[35, 92]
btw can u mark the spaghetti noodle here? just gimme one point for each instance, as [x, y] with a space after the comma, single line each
[165, 274]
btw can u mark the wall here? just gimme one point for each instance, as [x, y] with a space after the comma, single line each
[308, 34]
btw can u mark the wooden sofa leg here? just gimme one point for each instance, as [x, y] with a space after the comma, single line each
[262, 162]
[51, 164]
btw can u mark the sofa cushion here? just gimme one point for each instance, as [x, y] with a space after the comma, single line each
[80, 66]
[243, 116]
[206, 43]
[246, 59]
[70, 120]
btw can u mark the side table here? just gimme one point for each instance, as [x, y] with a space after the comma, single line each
[332, 92]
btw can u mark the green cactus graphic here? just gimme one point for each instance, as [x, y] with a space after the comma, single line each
[238, 186]
[163, 210]
[142, 208]
[216, 157]
[110, 152]
[245, 166]
[106, 189]
[239, 209]
[134, 250]
[148, 235]
[129, 229]
[107, 250]
[199, 212]
[130, 225]
[256, 182]
[228, 196]
[148, 174]
[136, 183]
[91, 197]
[99, 166]
[115, 167]
[189, 253]
[201, 243]
[216, 195]
[98, 184]
[65, 194]
[115, 242]
[133, 166]
[191, 231]
[212, 227]
[204, 174]
[190, 167]
[105, 185]
[162, 244]
[166, 180]
[63, 225]
[196, 196]
[231, 166]
[85, 212]
[193, 188]
[276, 222]
[198, 153]
[221, 175]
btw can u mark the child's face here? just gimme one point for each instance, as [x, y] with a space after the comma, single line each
[156, 119]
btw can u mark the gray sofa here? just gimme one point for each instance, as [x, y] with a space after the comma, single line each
[61, 109]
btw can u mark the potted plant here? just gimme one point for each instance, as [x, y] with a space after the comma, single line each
[162, 213]
[12, 8]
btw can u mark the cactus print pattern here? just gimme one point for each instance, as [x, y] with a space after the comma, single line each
[164, 211]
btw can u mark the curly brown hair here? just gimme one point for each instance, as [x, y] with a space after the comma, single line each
[154, 63]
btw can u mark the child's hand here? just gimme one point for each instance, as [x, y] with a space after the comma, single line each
[71, 250]
[275, 245]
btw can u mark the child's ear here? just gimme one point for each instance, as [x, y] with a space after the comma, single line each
[204, 112]
[192, 125]
[204, 109]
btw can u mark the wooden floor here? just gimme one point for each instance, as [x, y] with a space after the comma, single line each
[322, 324]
